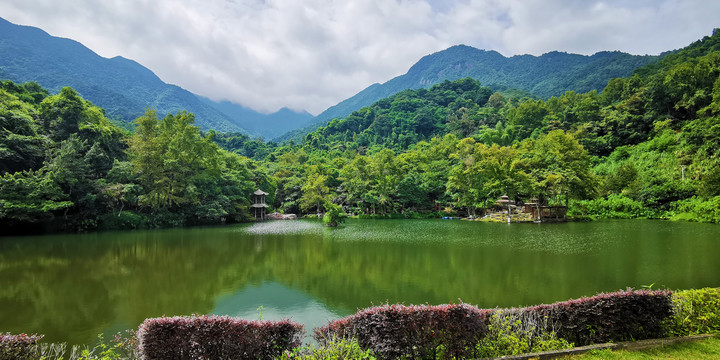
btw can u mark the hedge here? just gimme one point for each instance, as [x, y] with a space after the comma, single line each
[215, 337]
[619, 316]
[392, 331]
[18, 347]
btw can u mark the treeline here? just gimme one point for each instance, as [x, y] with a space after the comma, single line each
[65, 167]
[647, 146]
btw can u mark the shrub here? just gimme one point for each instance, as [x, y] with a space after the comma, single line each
[216, 337]
[125, 220]
[613, 207]
[18, 347]
[518, 331]
[695, 312]
[333, 215]
[393, 331]
[620, 316]
[697, 209]
[335, 349]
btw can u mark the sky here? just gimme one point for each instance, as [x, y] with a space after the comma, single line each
[312, 54]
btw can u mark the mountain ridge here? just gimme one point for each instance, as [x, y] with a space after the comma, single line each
[122, 86]
[550, 74]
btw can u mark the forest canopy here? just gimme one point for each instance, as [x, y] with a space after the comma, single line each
[646, 146]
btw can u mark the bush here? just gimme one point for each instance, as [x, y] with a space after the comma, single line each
[620, 316]
[216, 337]
[333, 215]
[613, 207]
[697, 209]
[335, 349]
[518, 331]
[125, 221]
[18, 347]
[695, 312]
[394, 331]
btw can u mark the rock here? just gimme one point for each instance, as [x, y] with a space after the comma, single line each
[279, 216]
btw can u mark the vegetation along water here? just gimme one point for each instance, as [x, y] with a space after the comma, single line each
[72, 287]
[646, 147]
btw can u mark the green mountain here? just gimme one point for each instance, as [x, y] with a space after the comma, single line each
[122, 87]
[647, 146]
[551, 74]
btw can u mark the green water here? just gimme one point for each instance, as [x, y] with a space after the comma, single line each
[73, 287]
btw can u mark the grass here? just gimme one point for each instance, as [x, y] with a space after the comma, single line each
[701, 349]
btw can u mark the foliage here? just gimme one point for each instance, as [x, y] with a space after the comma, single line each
[646, 146]
[697, 209]
[216, 337]
[695, 311]
[517, 331]
[30, 197]
[119, 348]
[615, 206]
[335, 349]
[333, 215]
[62, 156]
[620, 316]
[393, 331]
[18, 347]
[551, 74]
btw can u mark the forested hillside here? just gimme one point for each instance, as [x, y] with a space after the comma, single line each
[65, 167]
[551, 74]
[648, 145]
[619, 153]
[122, 87]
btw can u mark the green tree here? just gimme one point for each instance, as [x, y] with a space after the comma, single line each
[30, 197]
[466, 183]
[315, 192]
[560, 166]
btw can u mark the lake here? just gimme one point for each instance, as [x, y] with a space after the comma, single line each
[73, 287]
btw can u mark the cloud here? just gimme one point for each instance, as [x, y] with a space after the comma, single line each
[267, 54]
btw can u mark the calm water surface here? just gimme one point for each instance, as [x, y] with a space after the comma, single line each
[73, 287]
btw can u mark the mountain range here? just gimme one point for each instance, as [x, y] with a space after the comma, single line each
[551, 74]
[121, 86]
[125, 88]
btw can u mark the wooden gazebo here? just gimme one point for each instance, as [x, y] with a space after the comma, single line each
[259, 206]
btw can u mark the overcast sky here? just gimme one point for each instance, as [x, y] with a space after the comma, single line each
[311, 54]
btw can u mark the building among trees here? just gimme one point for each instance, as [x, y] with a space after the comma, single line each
[259, 206]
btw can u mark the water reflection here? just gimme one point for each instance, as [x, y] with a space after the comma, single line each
[274, 301]
[72, 287]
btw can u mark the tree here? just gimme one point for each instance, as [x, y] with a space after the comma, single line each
[466, 183]
[30, 197]
[315, 192]
[333, 215]
[559, 166]
[61, 114]
[504, 171]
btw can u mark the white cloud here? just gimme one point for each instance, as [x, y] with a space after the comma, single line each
[266, 54]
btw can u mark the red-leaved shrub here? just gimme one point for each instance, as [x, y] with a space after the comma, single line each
[18, 347]
[392, 331]
[619, 316]
[215, 337]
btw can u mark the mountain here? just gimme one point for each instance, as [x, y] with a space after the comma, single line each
[122, 87]
[551, 74]
[267, 126]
